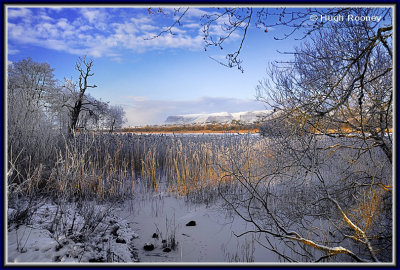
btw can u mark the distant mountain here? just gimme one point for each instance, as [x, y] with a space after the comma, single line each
[222, 117]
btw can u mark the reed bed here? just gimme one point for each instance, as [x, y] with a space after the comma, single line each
[113, 165]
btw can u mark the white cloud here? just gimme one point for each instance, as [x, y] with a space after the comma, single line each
[196, 13]
[47, 30]
[12, 51]
[175, 30]
[141, 20]
[63, 24]
[93, 15]
[44, 17]
[176, 41]
[56, 44]
[20, 12]
[125, 28]
[15, 31]
[192, 25]
[148, 27]
[96, 33]
[55, 9]
[85, 28]
[142, 111]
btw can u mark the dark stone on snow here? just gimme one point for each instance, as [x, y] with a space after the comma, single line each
[191, 223]
[114, 230]
[100, 259]
[167, 249]
[112, 222]
[155, 235]
[58, 247]
[164, 241]
[148, 247]
[65, 242]
[57, 259]
[120, 241]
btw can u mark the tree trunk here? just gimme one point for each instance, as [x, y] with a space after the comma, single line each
[112, 126]
[74, 116]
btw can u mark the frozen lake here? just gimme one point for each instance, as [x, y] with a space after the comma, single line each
[211, 240]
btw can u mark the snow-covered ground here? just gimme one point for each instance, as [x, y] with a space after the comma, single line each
[212, 240]
[66, 234]
[123, 230]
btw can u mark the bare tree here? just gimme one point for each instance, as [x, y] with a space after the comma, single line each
[85, 71]
[115, 117]
[40, 111]
[92, 113]
[291, 23]
[325, 191]
[311, 203]
[339, 83]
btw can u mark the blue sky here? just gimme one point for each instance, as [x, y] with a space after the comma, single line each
[150, 78]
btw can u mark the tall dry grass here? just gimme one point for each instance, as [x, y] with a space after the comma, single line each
[112, 165]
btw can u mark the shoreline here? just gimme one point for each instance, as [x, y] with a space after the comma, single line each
[255, 131]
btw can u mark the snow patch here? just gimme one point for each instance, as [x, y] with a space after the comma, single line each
[221, 117]
[48, 237]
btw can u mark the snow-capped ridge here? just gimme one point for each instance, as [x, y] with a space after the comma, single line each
[220, 117]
